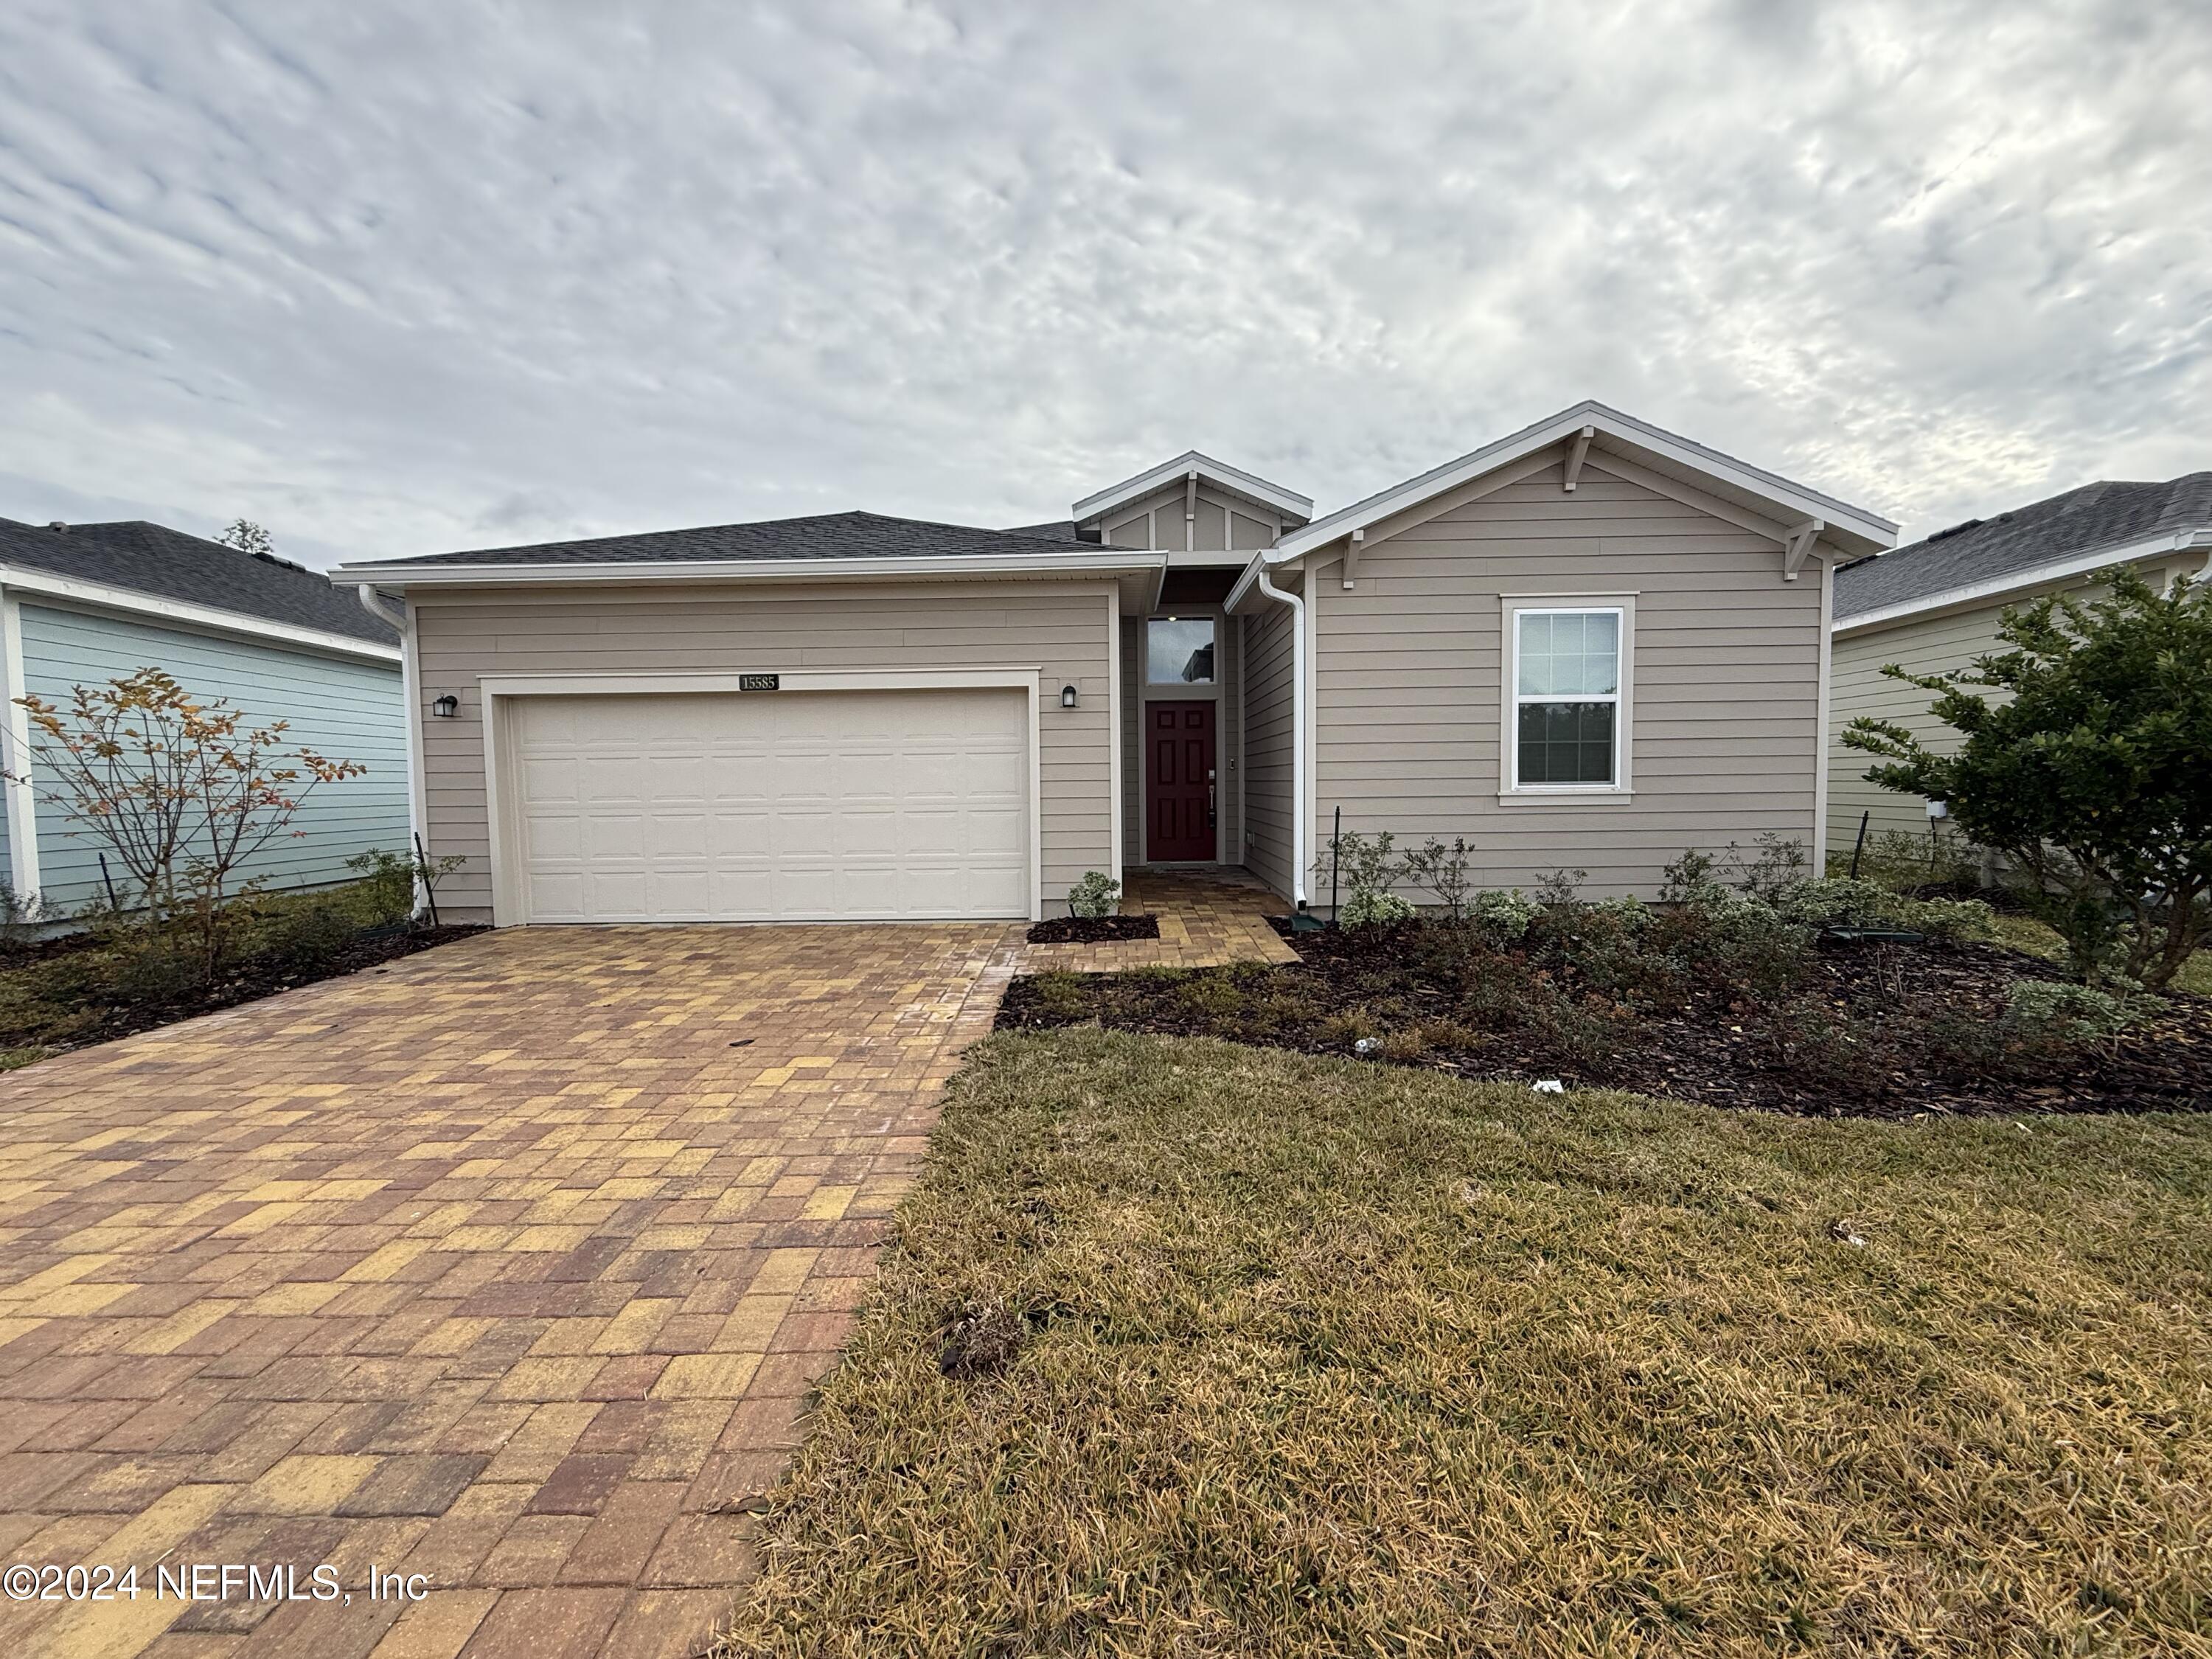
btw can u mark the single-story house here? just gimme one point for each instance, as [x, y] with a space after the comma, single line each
[84, 603]
[1935, 604]
[1591, 644]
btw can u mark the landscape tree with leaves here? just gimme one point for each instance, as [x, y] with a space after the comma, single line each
[183, 793]
[247, 537]
[2091, 770]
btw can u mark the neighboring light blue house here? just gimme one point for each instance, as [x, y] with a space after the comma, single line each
[81, 605]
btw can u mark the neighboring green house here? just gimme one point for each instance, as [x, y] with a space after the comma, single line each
[1936, 605]
[81, 605]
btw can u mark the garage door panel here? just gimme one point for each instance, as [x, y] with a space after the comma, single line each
[813, 806]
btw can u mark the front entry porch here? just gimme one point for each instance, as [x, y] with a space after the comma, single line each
[1209, 915]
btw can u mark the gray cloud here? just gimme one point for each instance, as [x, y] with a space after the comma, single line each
[398, 279]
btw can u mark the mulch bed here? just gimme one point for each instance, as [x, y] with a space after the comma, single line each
[250, 983]
[1716, 1052]
[1093, 930]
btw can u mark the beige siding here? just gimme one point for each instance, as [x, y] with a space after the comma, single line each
[1725, 689]
[1062, 629]
[1229, 737]
[1268, 740]
[1133, 739]
[1156, 521]
[1859, 687]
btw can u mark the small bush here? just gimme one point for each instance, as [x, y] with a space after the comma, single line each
[1443, 871]
[1846, 903]
[387, 884]
[1096, 895]
[1777, 865]
[1560, 886]
[20, 918]
[1371, 908]
[2073, 1015]
[1503, 916]
[293, 937]
[1906, 863]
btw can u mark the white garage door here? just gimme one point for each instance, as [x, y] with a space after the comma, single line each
[773, 806]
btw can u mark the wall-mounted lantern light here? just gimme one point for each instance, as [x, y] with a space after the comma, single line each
[1067, 697]
[447, 706]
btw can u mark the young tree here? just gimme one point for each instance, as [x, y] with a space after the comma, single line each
[247, 537]
[183, 793]
[2093, 771]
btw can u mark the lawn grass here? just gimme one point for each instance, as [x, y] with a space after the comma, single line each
[1257, 1353]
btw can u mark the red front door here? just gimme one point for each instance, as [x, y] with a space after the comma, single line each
[1179, 782]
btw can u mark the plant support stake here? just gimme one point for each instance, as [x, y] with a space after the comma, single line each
[108, 882]
[429, 888]
[1335, 835]
[1865, 818]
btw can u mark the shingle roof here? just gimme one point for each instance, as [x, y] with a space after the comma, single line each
[823, 536]
[2088, 519]
[152, 558]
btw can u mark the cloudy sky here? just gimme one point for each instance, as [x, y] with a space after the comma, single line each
[405, 277]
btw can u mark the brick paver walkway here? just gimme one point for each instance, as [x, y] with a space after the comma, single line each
[508, 1265]
[1206, 919]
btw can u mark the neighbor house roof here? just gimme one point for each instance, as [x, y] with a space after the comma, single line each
[821, 535]
[153, 560]
[2104, 522]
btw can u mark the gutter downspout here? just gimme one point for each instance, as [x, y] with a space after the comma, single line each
[1299, 825]
[402, 620]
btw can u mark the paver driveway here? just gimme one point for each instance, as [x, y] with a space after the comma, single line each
[506, 1264]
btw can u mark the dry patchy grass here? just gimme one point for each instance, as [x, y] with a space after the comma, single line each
[1195, 1349]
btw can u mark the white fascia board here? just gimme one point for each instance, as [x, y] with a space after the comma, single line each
[1210, 471]
[1116, 562]
[26, 580]
[1640, 439]
[2019, 581]
[1245, 584]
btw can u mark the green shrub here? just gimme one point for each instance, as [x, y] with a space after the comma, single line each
[1443, 871]
[386, 886]
[2053, 1011]
[1847, 903]
[1503, 916]
[1096, 895]
[2085, 759]
[1369, 908]
[1777, 865]
[303, 935]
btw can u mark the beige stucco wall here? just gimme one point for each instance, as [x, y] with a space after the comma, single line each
[1065, 629]
[1725, 697]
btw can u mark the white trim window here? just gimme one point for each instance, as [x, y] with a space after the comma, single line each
[1567, 696]
[1181, 650]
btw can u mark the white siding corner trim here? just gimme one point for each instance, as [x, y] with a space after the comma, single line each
[21, 795]
[1113, 728]
[498, 692]
[1511, 792]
